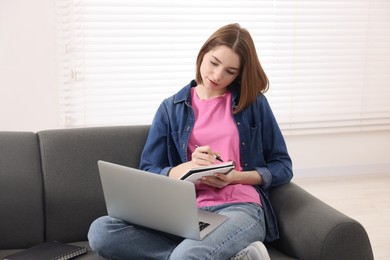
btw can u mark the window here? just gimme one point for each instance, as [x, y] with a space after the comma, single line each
[328, 61]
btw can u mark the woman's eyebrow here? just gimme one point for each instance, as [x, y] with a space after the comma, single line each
[221, 63]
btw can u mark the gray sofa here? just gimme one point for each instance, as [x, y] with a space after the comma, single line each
[50, 190]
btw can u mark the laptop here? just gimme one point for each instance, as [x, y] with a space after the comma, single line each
[155, 201]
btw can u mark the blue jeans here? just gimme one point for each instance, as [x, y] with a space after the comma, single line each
[116, 239]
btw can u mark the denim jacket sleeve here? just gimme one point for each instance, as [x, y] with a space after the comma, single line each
[278, 167]
[155, 155]
[263, 149]
[262, 144]
[167, 142]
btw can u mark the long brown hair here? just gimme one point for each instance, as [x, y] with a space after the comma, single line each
[252, 79]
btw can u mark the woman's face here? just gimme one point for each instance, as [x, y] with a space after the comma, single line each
[220, 67]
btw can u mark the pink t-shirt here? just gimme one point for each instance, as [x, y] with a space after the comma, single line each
[216, 128]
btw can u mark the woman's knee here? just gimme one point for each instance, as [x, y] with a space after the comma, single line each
[97, 234]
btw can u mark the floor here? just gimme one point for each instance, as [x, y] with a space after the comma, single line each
[366, 198]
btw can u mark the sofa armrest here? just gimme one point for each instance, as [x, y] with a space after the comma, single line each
[310, 229]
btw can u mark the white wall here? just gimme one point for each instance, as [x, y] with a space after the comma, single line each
[28, 90]
[336, 154]
[29, 97]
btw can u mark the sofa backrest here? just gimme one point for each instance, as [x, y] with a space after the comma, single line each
[21, 204]
[73, 193]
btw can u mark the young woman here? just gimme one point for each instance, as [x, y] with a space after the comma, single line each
[222, 113]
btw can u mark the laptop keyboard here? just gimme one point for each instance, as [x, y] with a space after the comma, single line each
[203, 225]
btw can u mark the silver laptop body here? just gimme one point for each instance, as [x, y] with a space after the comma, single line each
[154, 201]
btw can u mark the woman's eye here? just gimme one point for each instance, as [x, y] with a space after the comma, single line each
[230, 72]
[214, 63]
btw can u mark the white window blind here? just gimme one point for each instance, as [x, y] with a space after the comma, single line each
[328, 61]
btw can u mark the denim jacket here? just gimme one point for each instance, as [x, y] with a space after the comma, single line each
[262, 146]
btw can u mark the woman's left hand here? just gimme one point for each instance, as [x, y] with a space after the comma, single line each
[219, 180]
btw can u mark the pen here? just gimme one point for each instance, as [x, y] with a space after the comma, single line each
[215, 156]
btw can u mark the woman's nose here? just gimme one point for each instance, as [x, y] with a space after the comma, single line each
[217, 75]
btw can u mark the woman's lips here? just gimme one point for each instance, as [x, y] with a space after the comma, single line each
[212, 83]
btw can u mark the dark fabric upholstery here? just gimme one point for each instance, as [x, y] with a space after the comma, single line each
[336, 235]
[21, 206]
[50, 190]
[277, 255]
[73, 193]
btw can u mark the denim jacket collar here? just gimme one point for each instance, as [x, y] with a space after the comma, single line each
[184, 95]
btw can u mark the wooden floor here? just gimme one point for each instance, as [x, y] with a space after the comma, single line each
[366, 198]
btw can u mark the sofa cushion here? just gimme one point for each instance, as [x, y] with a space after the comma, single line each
[73, 193]
[21, 217]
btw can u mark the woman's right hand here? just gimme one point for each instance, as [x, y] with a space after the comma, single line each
[202, 156]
